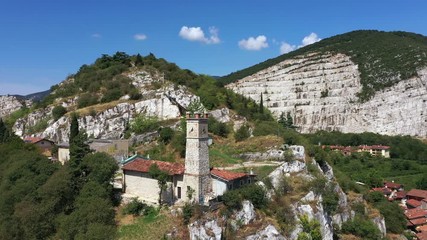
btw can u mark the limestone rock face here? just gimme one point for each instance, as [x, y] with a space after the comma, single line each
[380, 223]
[221, 115]
[286, 167]
[319, 90]
[208, 230]
[164, 103]
[268, 233]
[9, 104]
[247, 214]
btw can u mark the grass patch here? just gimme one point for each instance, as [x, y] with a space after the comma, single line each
[261, 172]
[151, 226]
[258, 144]
[222, 156]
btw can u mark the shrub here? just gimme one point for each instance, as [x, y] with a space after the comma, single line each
[166, 134]
[58, 112]
[134, 207]
[187, 213]
[361, 227]
[310, 228]
[111, 95]
[217, 128]
[252, 192]
[87, 99]
[242, 133]
[142, 124]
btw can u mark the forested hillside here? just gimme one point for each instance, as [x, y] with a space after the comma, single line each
[384, 58]
[41, 199]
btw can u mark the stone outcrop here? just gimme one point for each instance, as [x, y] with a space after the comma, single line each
[319, 214]
[320, 91]
[208, 230]
[9, 104]
[247, 214]
[285, 168]
[164, 103]
[268, 233]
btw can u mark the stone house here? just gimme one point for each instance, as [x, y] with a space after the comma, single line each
[138, 182]
[117, 148]
[225, 180]
[63, 153]
[194, 179]
[375, 150]
[43, 144]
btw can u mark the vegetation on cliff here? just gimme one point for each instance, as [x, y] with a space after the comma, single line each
[384, 58]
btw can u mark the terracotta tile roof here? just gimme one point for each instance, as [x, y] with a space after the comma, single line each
[141, 165]
[34, 139]
[375, 147]
[418, 221]
[385, 191]
[422, 228]
[400, 195]
[415, 213]
[422, 236]
[227, 175]
[413, 203]
[392, 185]
[417, 193]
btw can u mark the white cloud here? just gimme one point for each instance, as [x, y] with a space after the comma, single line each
[196, 34]
[307, 40]
[140, 37]
[310, 39]
[254, 44]
[286, 47]
[96, 35]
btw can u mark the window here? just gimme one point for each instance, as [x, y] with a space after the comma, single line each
[179, 193]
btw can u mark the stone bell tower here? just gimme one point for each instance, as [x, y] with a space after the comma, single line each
[197, 172]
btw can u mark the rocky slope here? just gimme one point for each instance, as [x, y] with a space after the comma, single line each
[164, 103]
[9, 104]
[320, 91]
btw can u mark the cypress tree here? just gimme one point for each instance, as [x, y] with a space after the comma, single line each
[261, 105]
[74, 127]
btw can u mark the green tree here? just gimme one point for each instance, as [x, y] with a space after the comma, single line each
[58, 112]
[162, 178]
[74, 127]
[242, 133]
[261, 105]
[4, 132]
[138, 60]
[195, 107]
[166, 134]
[422, 182]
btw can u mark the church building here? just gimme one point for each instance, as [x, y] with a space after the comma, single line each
[194, 181]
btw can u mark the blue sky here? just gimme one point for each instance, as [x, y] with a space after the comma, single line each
[43, 41]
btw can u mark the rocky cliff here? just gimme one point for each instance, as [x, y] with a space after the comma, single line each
[9, 104]
[320, 91]
[165, 102]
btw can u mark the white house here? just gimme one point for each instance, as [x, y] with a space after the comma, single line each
[193, 180]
